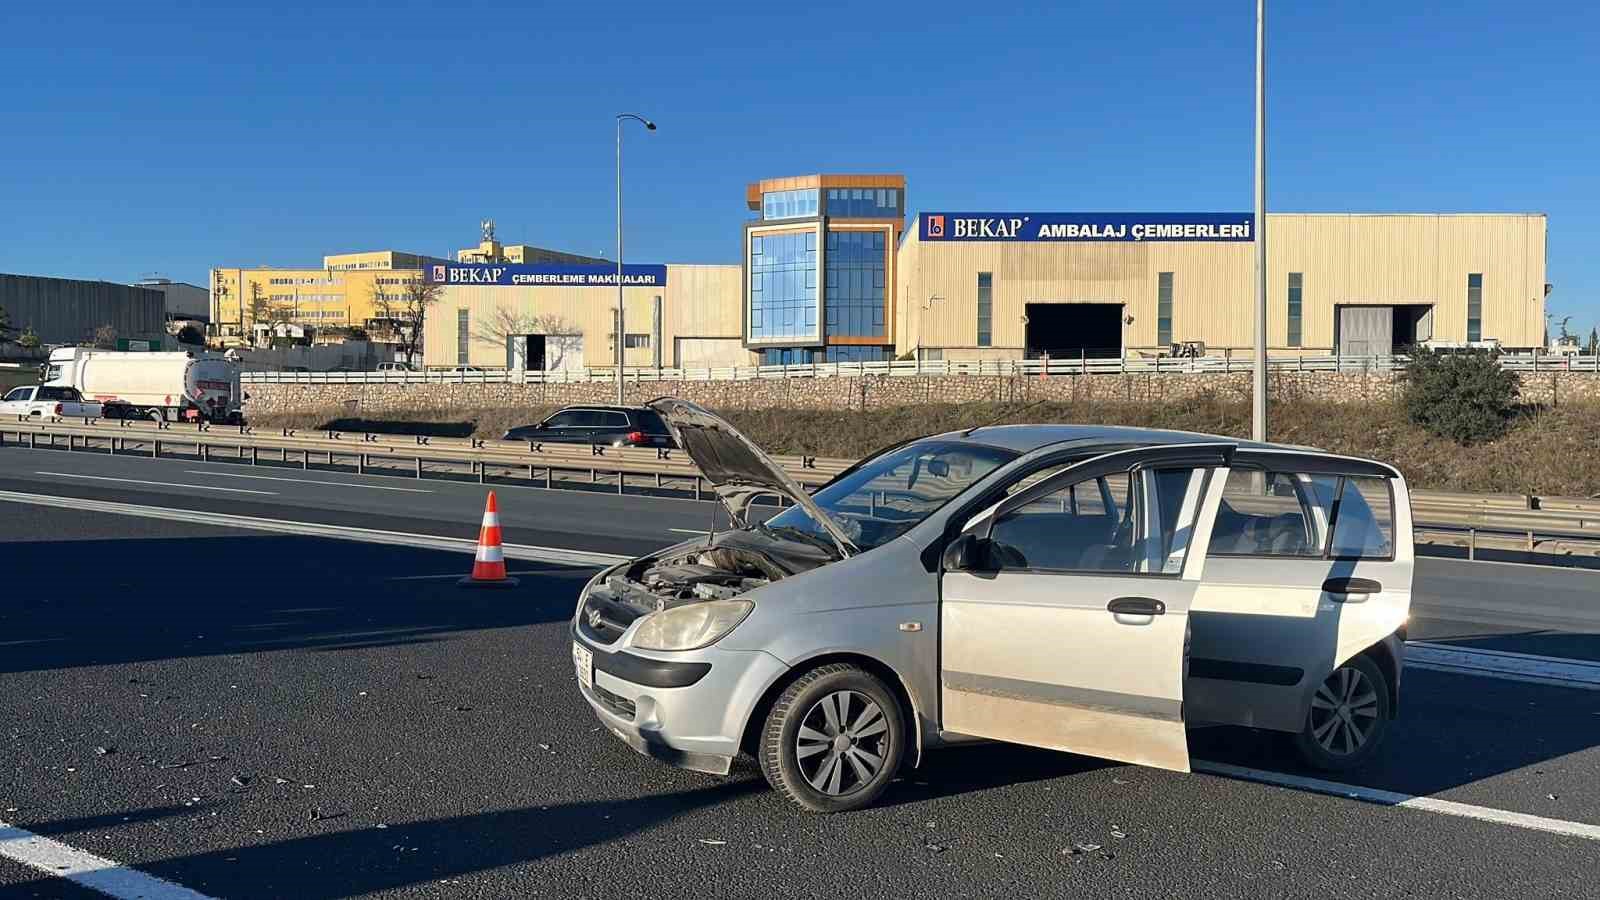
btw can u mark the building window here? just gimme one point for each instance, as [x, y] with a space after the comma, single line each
[1475, 306]
[1164, 309]
[854, 295]
[783, 286]
[798, 204]
[636, 341]
[985, 309]
[461, 337]
[1296, 284]
[864, 203]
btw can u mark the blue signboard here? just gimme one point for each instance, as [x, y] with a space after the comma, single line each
[1087, 226]
[552, 274]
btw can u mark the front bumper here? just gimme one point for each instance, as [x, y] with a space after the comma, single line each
[693, 712]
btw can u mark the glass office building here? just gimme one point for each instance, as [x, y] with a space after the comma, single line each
[819, 266]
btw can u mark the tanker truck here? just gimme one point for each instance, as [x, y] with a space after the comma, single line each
[160, 386]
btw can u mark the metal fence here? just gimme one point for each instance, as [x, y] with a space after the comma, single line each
[910, 368]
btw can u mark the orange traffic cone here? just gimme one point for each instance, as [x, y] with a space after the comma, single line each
[489, 566]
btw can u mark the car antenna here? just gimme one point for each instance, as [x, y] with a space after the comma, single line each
[996, 419]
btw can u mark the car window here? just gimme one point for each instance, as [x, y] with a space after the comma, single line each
[1130, 522]
[1364, 519]
[1273, 514]
[564, 419]
[887, 495]
[20, 393]
[57, 393]
[610, 419]
[650, 422]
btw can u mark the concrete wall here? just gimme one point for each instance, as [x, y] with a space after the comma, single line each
[877, 391]
[67, 311]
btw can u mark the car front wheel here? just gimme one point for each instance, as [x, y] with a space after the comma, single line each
[1348, 717]
[834, 739]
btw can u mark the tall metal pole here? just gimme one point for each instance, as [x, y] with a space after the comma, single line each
[622, 333]
[1258, 413]
[621, 337]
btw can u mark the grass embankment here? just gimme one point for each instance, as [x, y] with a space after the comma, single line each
[1547, 451]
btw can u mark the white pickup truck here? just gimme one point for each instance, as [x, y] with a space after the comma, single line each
[42, 401]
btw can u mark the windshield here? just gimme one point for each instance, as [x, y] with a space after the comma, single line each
[891, 493]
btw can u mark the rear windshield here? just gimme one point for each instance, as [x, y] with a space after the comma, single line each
[650, 422]
[57, 393]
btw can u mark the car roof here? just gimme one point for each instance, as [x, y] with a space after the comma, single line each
[603, 408]
[1026, 438]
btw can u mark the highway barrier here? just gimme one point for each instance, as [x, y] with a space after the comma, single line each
[1082, 365]
[1471, 521]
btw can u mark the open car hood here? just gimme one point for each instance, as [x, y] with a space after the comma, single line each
[736, 467]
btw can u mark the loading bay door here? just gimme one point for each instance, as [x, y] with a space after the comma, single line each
[1074, 330]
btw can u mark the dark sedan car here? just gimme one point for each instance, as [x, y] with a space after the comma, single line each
[613, 426]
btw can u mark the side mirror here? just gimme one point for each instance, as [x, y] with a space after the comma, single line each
[968, 553]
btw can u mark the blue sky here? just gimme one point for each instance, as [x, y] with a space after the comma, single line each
[168, 137]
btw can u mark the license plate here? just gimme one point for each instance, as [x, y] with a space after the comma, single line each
[583, 661]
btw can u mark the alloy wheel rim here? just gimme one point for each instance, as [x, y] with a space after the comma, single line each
[1344, 711]
[842, 743]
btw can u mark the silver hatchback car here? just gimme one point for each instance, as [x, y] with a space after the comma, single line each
[1083, 588]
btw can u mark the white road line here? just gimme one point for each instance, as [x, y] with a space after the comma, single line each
[457, 575]
[688, 530]
[316, 529]
[84, 868]
[371, 487]
[1405, 801]
[203, 487]
[1525, 667]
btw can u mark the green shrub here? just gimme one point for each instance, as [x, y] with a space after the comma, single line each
[1464, 396]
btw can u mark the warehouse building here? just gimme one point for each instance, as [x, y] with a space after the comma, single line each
[69, 311]
[1015, 285]
[829, 272]
[563, 316]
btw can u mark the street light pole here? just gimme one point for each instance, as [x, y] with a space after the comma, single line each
[1258, 412]
[621, 333]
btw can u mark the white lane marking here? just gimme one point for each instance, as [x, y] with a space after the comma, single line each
[688, 530]
[373, 487]
[315, 529]
[457, 575]
[1500, 664]
[203, 487]
[1405, 801]
[86, 869]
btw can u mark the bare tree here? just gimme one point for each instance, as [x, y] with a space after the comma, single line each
[258, 307]
[562, 336]
[406, 311]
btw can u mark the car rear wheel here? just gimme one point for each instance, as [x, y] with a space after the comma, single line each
[1348, 717]
[834, 739]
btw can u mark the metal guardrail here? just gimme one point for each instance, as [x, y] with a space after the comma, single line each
[1534, 520]
[912, 368]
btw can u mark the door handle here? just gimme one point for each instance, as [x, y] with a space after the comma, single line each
[1136, 606]
[1344, 586]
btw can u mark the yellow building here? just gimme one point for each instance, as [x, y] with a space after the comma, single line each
[242, 299]
[376, 259]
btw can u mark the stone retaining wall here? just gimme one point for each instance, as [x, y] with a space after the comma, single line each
[871, 392]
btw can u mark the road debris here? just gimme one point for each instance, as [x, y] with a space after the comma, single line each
[712, 842]
[104, 751]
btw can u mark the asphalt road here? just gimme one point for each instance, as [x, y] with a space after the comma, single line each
[318, 718]
[1541, 610]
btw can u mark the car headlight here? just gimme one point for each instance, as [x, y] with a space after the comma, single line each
[691, 627]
